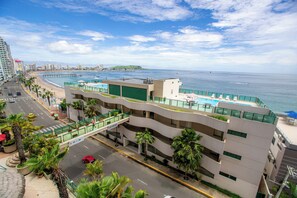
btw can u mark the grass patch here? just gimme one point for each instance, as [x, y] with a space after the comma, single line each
[108, 95]
[133, 100]
[226, 192]
[175, 109]
[219, 117]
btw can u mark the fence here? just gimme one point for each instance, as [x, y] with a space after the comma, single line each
[225, 96]
[87, 128]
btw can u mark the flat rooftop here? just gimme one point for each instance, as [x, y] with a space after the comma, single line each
[131, 81]
[288, 131]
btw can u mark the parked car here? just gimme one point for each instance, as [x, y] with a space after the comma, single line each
[9, 94]
[5, 87]
[11, 100]
[14, 95]
[88, 159]
[18, 93]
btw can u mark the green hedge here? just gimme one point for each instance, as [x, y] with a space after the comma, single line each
[219, 117]
[226, 192]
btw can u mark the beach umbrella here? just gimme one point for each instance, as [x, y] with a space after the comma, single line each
[292, 115]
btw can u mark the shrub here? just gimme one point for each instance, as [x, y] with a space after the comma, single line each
[226, 192]
[9, 142]
[165, 162]
[219, 117]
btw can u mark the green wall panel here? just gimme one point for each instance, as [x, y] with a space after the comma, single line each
[114, 89]
[136, 93]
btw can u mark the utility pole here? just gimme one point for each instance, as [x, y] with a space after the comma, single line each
[291, 172]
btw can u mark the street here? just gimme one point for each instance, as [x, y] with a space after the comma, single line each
[155, 184]
[25, 104]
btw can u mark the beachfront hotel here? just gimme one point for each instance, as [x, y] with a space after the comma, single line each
[235, 150]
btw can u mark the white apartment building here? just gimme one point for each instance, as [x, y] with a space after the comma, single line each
[235, 150]
[283, 151]
[6, 61]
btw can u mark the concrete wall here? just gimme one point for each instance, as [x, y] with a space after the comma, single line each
[168, 88]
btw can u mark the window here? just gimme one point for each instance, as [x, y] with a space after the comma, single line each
[237, 133]
[232, 155]
[273, 140]
[227, 175]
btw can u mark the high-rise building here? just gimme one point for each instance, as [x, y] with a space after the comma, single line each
[6, 61]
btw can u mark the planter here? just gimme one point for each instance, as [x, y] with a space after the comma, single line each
[48, 176]
[10, 148]
[24, 170]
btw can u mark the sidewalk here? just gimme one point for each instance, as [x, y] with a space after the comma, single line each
[166, 171]
[34, 186]
[44, 104]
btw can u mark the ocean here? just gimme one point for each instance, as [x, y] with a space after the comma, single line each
[278, 91]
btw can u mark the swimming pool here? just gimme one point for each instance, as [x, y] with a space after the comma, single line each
[207, 101]
[99, 85]
[214, 102]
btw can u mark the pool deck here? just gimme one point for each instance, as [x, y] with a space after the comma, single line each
[192, 96]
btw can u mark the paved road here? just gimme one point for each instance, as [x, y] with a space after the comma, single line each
[143, 178]
[25, 104]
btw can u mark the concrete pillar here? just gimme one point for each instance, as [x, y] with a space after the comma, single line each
[177, 124]
[147, 114]
[139, 149]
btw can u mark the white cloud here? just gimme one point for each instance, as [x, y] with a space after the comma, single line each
[69, 48]
[137, 10]
[141, 39]
[95, 36]
[190, 36]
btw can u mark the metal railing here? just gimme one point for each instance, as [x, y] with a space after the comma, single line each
[81, 130]
[225, 96]
[193, 105]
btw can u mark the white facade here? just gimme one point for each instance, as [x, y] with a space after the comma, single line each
[6, 61]
[283, 152]
[235, 151]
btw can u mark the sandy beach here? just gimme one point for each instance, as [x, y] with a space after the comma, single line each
[59, 93]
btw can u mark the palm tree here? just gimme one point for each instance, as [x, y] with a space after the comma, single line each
[78, 106]
[113, 186]
[36, 89]
[29, 82]
[187, 151]
[22, 78]
[91, 109]
[94, 169]
[15, 121]
[144, 138]
[2, 107]
[21, 128]
[48, 95]
[49, 163]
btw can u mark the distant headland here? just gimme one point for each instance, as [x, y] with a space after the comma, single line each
[125, 68]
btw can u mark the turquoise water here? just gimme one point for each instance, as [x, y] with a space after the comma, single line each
[207, 101]
[101, 85]
[278, 91]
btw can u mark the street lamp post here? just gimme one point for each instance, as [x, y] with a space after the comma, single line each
[291, 172]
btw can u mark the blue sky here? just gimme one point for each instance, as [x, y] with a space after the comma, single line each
[245, 35]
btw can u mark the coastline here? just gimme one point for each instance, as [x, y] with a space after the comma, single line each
[58, 91]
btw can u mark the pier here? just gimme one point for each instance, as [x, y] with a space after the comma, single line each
[59, 75]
